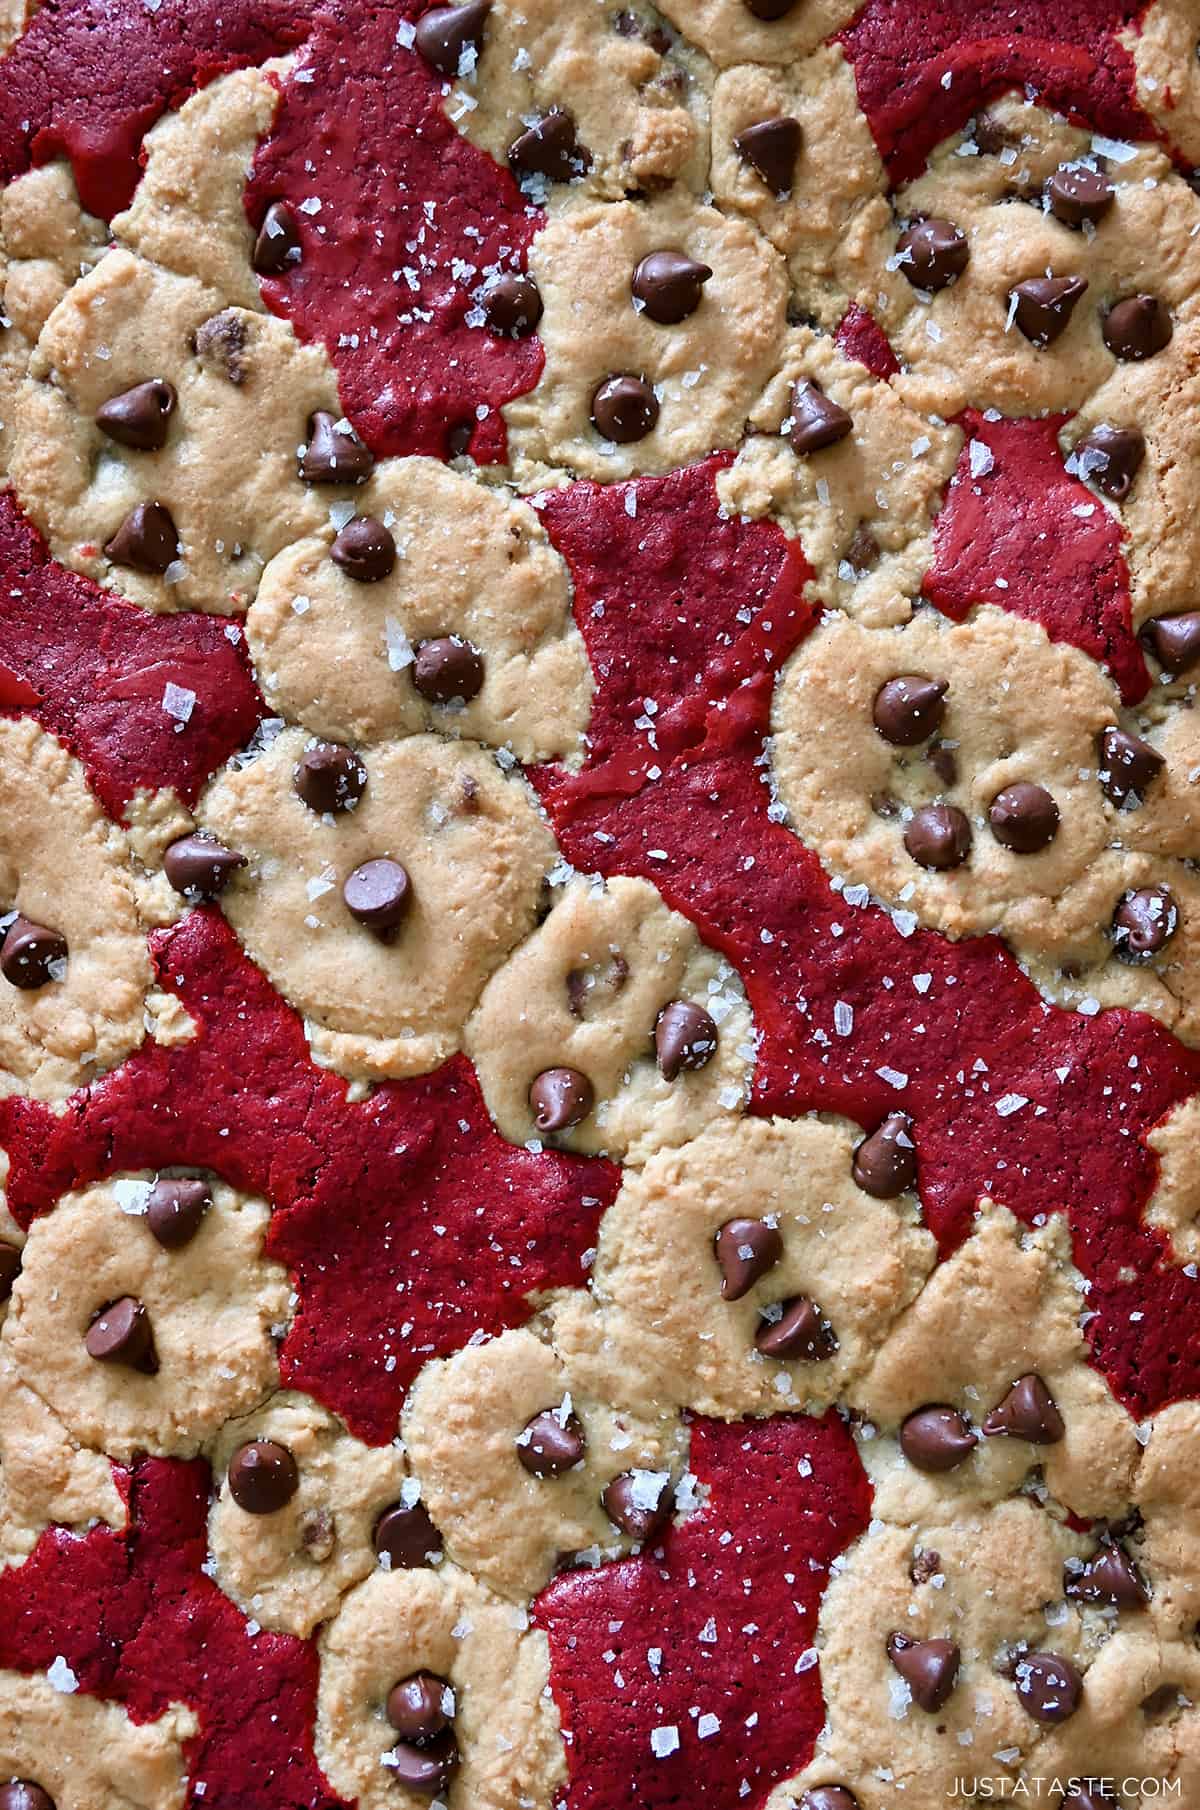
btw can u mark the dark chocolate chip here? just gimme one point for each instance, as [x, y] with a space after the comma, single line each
[772, 149]
[1109, 1576]
[443, 34]
[1137, 327]
[175, 1209]
[219, 343]
[800, 1331]
[770, 10]
[925, 1566]
[1044, 306]
[928, 1667]
[640, 1503]
[425, 1770]
[1174, 641]
[550, 148]
[364, 549]
[329, 777]
[277, 247]
[745, 1249]
[23, 1794]
[447, 668]
[378, 894]
[512, 305]
[936, 1438]
[406, 1537]
[1028, 1411]
[29, 952]
[1110, 458]
[684, 1037]
[944, 762]
[829, 1797]
[1128, 765]
[146, 541]
[1076, 194]
[121, 1334]
[263, 1477]
[334, 453]
[932, 253]
[417, 1709]
[1048, 1685]
[10, 1268]
[139, 417]
[938, 836]
[815, 420]
[1089, 1794]
[670, 286]
[1143, 923]
[199, 867]
[1024, 818]
[624, 409]
[909, 708]
[560, 1098]
[551, 1443]
[991, 135]
[863, 551]
[885, 1163]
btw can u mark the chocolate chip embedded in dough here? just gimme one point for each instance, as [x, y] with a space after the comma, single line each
[10, 1268]
[551, 1443]
[420, 1706]
[1109, 1576]
[829, 1797]
[549, 148]
[1024, 817]
[424, 1770]
[685, 1037]
[1110, 458]
[23, 1794]
[263, 1477]
[1143, 923]
[1128, 765]
[928, 1667]
[1028, 1411]
[200, 867]
[1043, 306]
[138, 417]
[1050, 1687]
[669, 285]
[624, 409]
[1137, 327]
[799, 1331]
[1174, 641]
[909, 708]
[121, 1334]
[936, 1438]
[175, 1209]
[334, 453]
[512, 305]
[30, 952]
[938, 836]
[442, 35]
[772, 149]
[406, 1536]
[219, 343]
[330, 778]
[560, 1098]
[815, 419]
[146, 541]
[277, 246]
[885, 1163]
[378, 894]
[746, 1250]
[1076, 194]
[364, 549]
[447, 668]
[933, 253]
[640, 1503]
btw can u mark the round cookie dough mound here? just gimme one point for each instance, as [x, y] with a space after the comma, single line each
[227, 473]
[475, 852]
[509, 1528]
[212, 1305]
[290, 1569]
[46, 1478]
[657, 1286]
[62, 864]
[337, 654]
[1163, 47]
[585, 991]
[86, 1754]
[505, 1725]
[705, 371]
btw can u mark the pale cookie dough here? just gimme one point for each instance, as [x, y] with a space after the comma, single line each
[46, 1478]
[861, 509]
[729, 33]
[87, 1754]
[1163, 47]
[1007, 1304]
[1168, 1497]
[63, 864]
[505, 1724]
[228, 471]
[187, 212]
[585, 991]
[637, 97]
[290, 1569]
[475, 852]
[336, 654]
[705, 371]
[662, 1327]
[461, 1424]
[213, 1306]
[1175, 1204]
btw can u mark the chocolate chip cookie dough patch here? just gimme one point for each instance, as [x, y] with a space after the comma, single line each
[1175, 1204]
[142, 1335]
[851, 471]
[647, 367]
[617, 991]
[73, 964]
[514, 1462]
[288, 1539]
[1163, 48]
[429, 1682]
[432, 602]
[748, 1272]
[382, 887]
[158, 437]
[758, 31]
[1168, 1500]
[994, 1343]
[634, 98]
[46, 1477]
[187, 212]
[80, 1753]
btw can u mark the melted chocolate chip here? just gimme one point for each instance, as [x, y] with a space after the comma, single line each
[863, 552]
[885, 1163]
[420, 1706]
[406, 1537]
[146, 541]
[1024, 818]
[378, 894]
[800, 1331]
[1143, 923]
[1048, 1685]
[139, 417]
[30, 952]
[1110, 458]
[10, 1268]
[1044, 306]
[443, 34]
[936, 1438]
[944, 762]
[199, 867]
[640, 1503]
[1174, 641]
[560, 1098]
[364, 549]
[277, 247]
[624, 409]
[334, 453]
[772, 149]
[938, 836]
[909, 708]
[551, 148]
[330, 778]
[770, 10]
[1028, 1411]
[219, 343]
[121, 1334]
[685, 1037]
[829, 1797]
[1109, 1576]
[263, 1477]
[23, 1794]
[447, 668]
[745, 1249]
[1076, 194]
[670, 286]
[1128, 765]
[932, 253]
[1137, 327]
[926, 1565]
[512, 305]
[425, 1770]
[816, 421]
[175, 1210]
[551, 1443]
[928, 1667]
